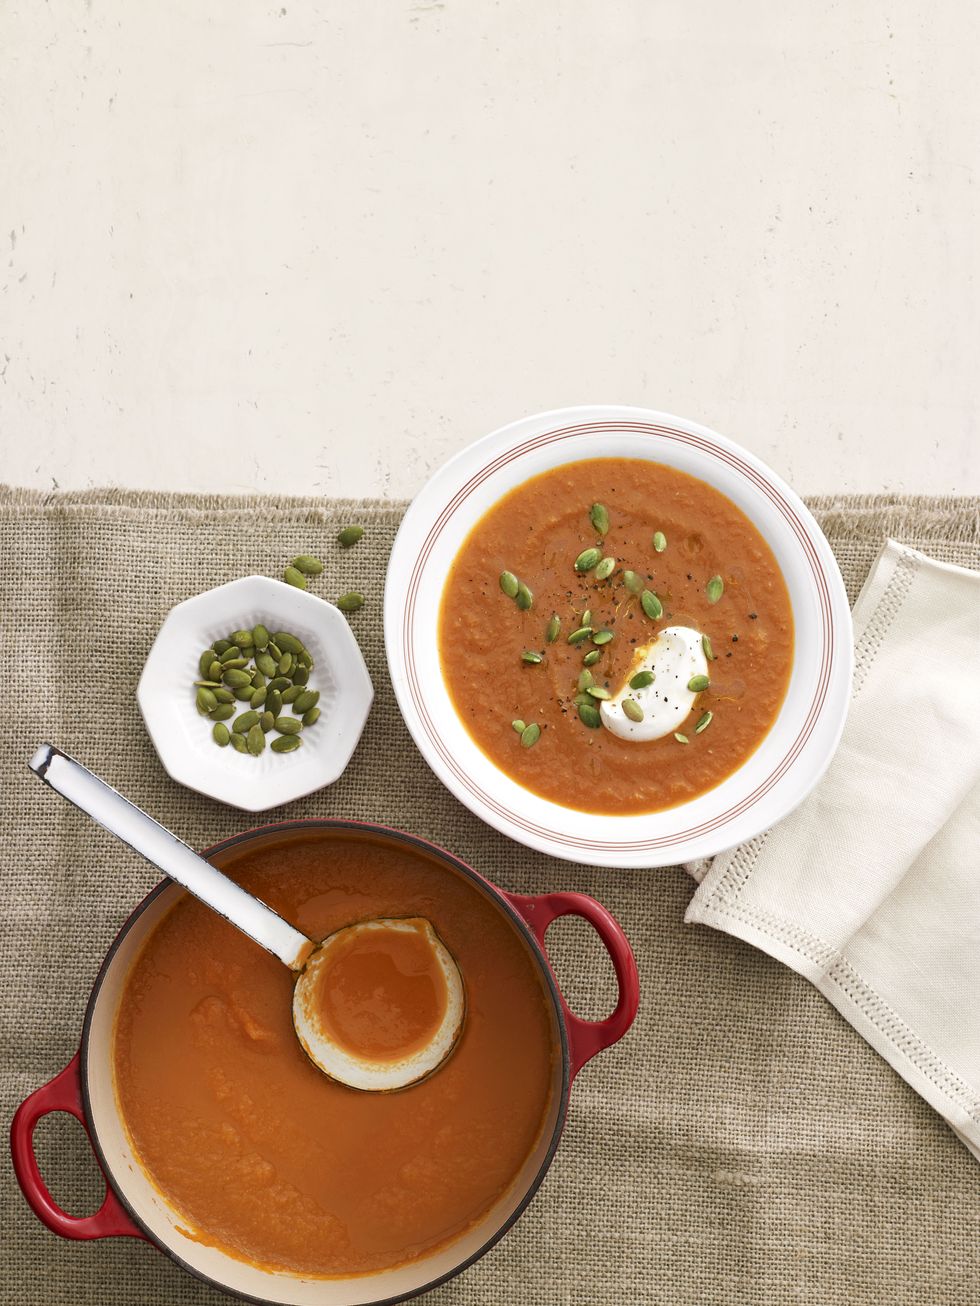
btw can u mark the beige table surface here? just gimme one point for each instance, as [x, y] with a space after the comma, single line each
[314, 248]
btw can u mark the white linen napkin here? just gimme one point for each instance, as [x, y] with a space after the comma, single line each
[871, 888]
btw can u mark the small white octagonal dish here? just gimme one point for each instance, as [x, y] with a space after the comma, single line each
[788, 762]
[182, 737]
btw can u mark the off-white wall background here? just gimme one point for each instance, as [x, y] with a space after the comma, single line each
[318, 248]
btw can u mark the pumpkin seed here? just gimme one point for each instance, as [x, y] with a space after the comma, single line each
[589, 716]
[659, 541]
[307, 699]
[280, 683]
[204, 662]
[259, 697]
[597, 691]
[208, 684]
[583, 697]
[509, 584]
[255, 739]
[605, 568]
[533, 658]
[698, 683]
[286, 664]
[287, 643]
[351, 601]
[350, 535]
[585, 679]
[524, 597]
[267, 721]
[243, 724]
[291, 694]
[223, 695]
[244, 692]
[588, 559]
[553, 629]
[273, 702]
[301, 676]
[238, 743]
[633, 582]
[530, 735]
[221, 734]
[230, 654]
[642, 679]
[632, 709]
[274, 651]
[206, 701]
[215, 669]
[258, 680]
[235, 664]
[704, 722]
[599, 516]
[602, 637]
[310, 566]
[709, 652]
[651, 605]
[519, 725]
[223, 712]
[292, 576]
[288, 725]
[305, 660]
[592, 658]
[577, 636]
[681, 739]
[312, 717]
[241, 637]
[586, 618]
[286, 744]
[714, 589]
[267, 664]
[220, 645]
[260, 637]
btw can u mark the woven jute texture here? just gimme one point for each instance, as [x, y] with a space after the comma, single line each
[742, 1145]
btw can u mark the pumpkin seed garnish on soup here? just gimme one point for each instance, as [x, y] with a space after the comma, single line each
[714, 589]
[659, 541]
[588, 559]
[599, 517]
[632, 709]
[651, 605]
[509, 584]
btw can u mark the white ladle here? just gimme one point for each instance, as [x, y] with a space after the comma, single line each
[169, 854]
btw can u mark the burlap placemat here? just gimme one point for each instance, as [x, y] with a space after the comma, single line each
[741, 1145]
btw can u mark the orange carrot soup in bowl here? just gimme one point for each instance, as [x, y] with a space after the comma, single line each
[618, 637]
[559, 635]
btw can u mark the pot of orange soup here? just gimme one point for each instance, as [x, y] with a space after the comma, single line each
[225, 1147]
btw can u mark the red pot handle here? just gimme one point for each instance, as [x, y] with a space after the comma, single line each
[587, 1037]
[63, 1093]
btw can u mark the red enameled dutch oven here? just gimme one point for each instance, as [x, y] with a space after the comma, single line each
[134, 1208]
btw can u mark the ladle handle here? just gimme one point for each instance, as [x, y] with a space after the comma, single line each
[169, 854]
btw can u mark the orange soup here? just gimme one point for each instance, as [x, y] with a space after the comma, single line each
[263, 1155]
[621, 549]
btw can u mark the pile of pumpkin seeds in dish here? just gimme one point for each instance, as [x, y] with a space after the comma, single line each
[595, 561]
[265, 673]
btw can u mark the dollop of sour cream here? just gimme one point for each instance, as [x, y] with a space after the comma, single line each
[674, 655]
